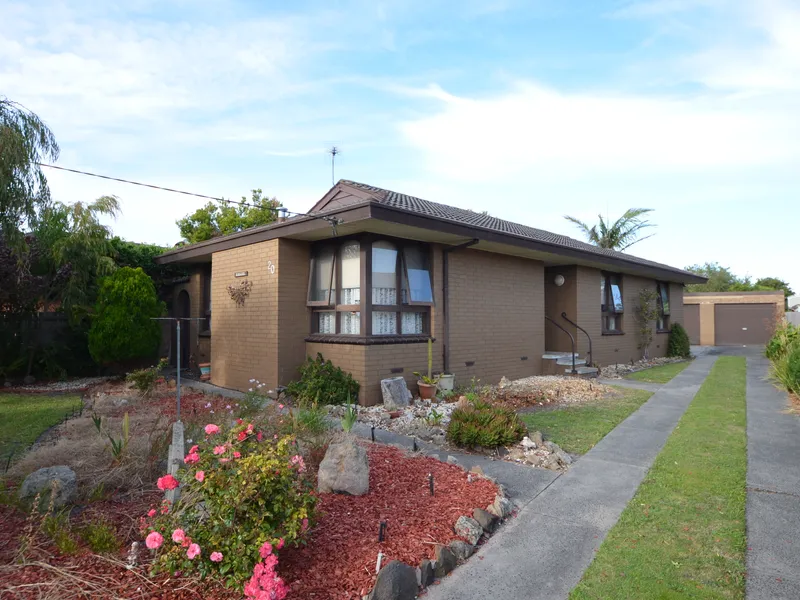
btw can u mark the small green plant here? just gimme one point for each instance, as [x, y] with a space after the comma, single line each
[786, 335]
[118, 446]
[98, 493]
[144, 380]
[100, 537]
[646, 312]
[428, 379]
[678, 343]
[310, 420]
[350, 416]
[56, 527]
[484, 425]
[786, 368]
[98, 422]
[254, 400]
[434, 418]
[322, 382]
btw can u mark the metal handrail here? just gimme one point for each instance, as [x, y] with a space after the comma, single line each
[572, 339]
[588, 337]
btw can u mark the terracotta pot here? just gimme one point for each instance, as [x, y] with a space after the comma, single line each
[426, 390]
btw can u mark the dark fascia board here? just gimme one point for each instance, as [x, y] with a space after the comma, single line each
[295, 226]
[404, 217]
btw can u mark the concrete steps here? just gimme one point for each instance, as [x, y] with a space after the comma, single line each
[554, 362]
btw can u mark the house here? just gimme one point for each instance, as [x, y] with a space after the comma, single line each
[732, 318]
[371, 274]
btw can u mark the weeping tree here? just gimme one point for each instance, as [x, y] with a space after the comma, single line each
[25, 141]
[619, 235]
[645, 314]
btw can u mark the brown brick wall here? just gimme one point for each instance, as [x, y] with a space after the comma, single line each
[613, 349]
[293, 317]
[496, 316]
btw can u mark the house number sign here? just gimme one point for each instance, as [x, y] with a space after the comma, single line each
[240, 274]
[270, 267]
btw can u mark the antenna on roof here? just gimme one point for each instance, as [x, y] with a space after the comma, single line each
[333, 152]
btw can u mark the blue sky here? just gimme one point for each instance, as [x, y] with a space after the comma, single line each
[528, 109]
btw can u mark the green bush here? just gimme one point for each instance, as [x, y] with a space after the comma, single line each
[323, 383]
[678, 344]
[785, 336]
[786, 367]
[144, 380]
[122, 328]
[100, 537]
[484, 425]
[243, 494]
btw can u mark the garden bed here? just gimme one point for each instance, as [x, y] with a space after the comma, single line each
[620, 370]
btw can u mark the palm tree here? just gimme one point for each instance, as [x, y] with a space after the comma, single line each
[620, 235]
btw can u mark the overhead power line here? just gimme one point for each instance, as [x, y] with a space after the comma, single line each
[332, 220]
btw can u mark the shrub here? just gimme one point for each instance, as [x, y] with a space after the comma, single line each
[786, 367]
[243, 494]
[786, 335]
[100, 537]
[122, 328]
[144, 380]
[321, 382]
[484, 425]
[56, 527]
[678, 344]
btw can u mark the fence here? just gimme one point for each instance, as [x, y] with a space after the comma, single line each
[793, 318]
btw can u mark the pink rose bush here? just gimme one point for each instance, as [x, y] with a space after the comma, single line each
[244, 497]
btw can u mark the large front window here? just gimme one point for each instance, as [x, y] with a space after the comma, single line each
[611, 304]
[397, 276]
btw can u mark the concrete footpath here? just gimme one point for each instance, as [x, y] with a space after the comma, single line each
[545, 550]
[773, 489]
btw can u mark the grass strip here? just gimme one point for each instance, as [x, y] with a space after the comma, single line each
[659, 374]
[683, 533]
[23, 418]
[579, 427]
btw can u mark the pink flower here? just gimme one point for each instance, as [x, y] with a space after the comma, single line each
[153, 540]
[211, 429]
[167, 482]
[219, 450]
[237, 455]
[279, 545]
[216, 557]
[265, 550]
[191, 458]
[151, 512]
[280, 406]
[224, 460]
[178, 536]
[259, 436]
[304, 525]
[297, 460]
[193, 551]
[165, 509]
[249, 428]
[194, 449]
[200, 476]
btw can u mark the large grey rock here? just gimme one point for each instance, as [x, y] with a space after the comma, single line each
[536, 438]
[395, 393]
[461, 549]
[485, 519]
[469, 529]
[344, 469]
[426, 573]
[445, 561]
[501, 507]
[564, 457]
[395, 581]
[41, 481]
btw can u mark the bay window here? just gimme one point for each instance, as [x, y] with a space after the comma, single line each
[662, 300]
[370, 288]
[611, 304]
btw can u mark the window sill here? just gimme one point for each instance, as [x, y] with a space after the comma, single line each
[204, 334]
[613, 333]
[663, 330]
[361, 340]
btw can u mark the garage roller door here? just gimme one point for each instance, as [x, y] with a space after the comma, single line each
[691, 321]
[743, 324]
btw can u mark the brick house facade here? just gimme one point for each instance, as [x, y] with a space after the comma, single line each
[372, 275]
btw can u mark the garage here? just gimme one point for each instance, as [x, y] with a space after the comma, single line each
[743, 324]
[691, 322]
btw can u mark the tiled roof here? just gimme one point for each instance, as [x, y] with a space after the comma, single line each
[475, 219]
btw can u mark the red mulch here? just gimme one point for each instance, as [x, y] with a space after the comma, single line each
[348, 529]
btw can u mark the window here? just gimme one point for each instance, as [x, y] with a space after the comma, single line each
[337, 284]
[662, 322]
[206, 323]
[611, 304]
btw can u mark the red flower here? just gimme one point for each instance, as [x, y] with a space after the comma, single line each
[242, 436]
[167, 482]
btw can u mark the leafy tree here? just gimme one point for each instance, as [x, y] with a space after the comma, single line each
[646, 313]
[133, 254]
[122, 328]
[74, 237]
[25, 141]
[619, 235]
[722, 279]
[215, 220]
[773, 283]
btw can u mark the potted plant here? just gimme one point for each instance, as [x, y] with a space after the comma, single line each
[427, 383]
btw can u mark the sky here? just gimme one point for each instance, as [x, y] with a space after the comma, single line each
[530, 109]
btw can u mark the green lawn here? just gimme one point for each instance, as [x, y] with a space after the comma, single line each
[578, 428]
[660, 374]
[24, 417]
[683, 534]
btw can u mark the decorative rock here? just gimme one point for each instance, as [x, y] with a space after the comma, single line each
[528, 443]
[564, 457]
[477, 470]
[7, 384]
[462, 403]
[29, 380]
[40, 482]
[485, 519]
[552, 463]
[395, 581]
[395, 393]
[536, 438]
[445, 561]
[503, 382]
[461, 549]
[501, 507]
[344, 469]
[426, 573]
[452, 460]
[469, 529]
[552, 448]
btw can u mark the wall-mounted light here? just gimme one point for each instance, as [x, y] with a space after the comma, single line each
[559, 280]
